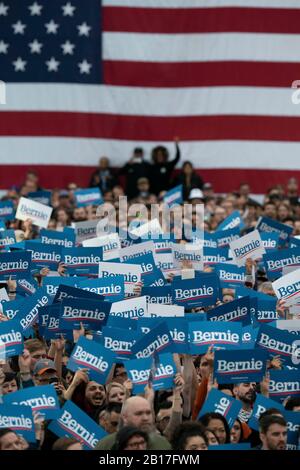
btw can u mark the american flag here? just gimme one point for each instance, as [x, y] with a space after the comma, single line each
[86, 79]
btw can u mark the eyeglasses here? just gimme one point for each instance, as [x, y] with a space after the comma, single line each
[135, 444]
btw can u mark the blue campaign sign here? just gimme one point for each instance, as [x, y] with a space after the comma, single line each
[15, 265]
[139, 372]
[44, 256]
[284, 383]
[53, 237]
[293, 425]
[269, 225]
[158, 295]
[213, 256]
[174, 196]
[243, 446]
[269, 241]
[119, 341]
[279, 342]
[261, 405]
[203, 290]
[274, 262]
[12, 308]
[11, 339]
[266, 310]
[65, 291]
[294, 242]
[7, 211]
[165, 370]
[7, 238]
[18, 419]
[163, 243]
[42, 399]
[158, 279]
[112, 290]
[232, 221]
[50, 328]
[92, 314]
[82, 261]
[88, 197]
[145, 325]
[158, 340]
[244, 365]
[237, 310]
[219, 402]
[224, 237]
[52, 283]
[249, 335]
[223, 335]
[178, 328]
[209, 240]
[230, 275]
[122, 322]
[43, 197]
[88, 354]
[74, 423]
[30, 309]
[150, 273]
[26, 287]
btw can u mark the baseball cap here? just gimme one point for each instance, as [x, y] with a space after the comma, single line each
[196, 194]
[43, 365]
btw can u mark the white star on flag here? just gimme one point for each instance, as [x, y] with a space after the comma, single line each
[3, 47]
[68, 9]
[52, 64]
[19, 27]
[51, 27]
[19, 65]
[3, 9]
[84, 67]
[67, 47]
[35, 9]
[84, 29]
[35, 47]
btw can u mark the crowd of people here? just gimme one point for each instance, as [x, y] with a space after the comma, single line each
[155, 419]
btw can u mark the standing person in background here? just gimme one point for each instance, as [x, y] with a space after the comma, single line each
[161, 168]
[188, 178]
[103, 178]
[135, 169]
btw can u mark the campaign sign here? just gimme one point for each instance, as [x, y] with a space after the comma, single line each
[42, 399]
[149, 273]
[16, 265]
[163, 243]
[222, 335]
[145, 325]
[44, 256]
[158, 340]
[266, 310]
[219, 402]
[88, 354]
[178, 328]
[189, 253]
[158, 310]
[275, 262]
[201, 291]
[82, 261]
[213, 256]
[26, 287]
[265, 224]
[122, 323]
[164, 262]
[43, 197]
[261, 405]
[224, 237]
[12, 308]
[110, 243]
[174, 196]
[119, 341]
[52, 328]
[11, 339]
[279, 342]
[7, 211]
[165, 370]
[232, 221]
[85, 230]
[287, 288]
[18, 419]
[249, 335]
[139, 371]
[38, 213]
[248, 246]
[237, 310]
[247, 365]
[230, 447]
[269, 241]
[88, 197]
[283, 384]
[74, 423]
[112, 290]
[294, 242]
[293, 425]
[230, 275]
[30, 309]
[53, 237]
[130, 308]
[7, 238]
[68, 292]
[158, 295]
[131, 273]
[91, 313]
[52, 284]
[136, 250]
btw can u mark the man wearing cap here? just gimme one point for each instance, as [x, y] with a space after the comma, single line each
[136, 168]
[45, 373]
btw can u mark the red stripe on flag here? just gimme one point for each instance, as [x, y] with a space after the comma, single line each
[223, 180]
[201, 20]
[200, 74]
[150, 128]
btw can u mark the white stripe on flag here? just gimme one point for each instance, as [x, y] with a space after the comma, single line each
[202, 3]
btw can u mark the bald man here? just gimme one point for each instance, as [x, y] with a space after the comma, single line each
[136, 411]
